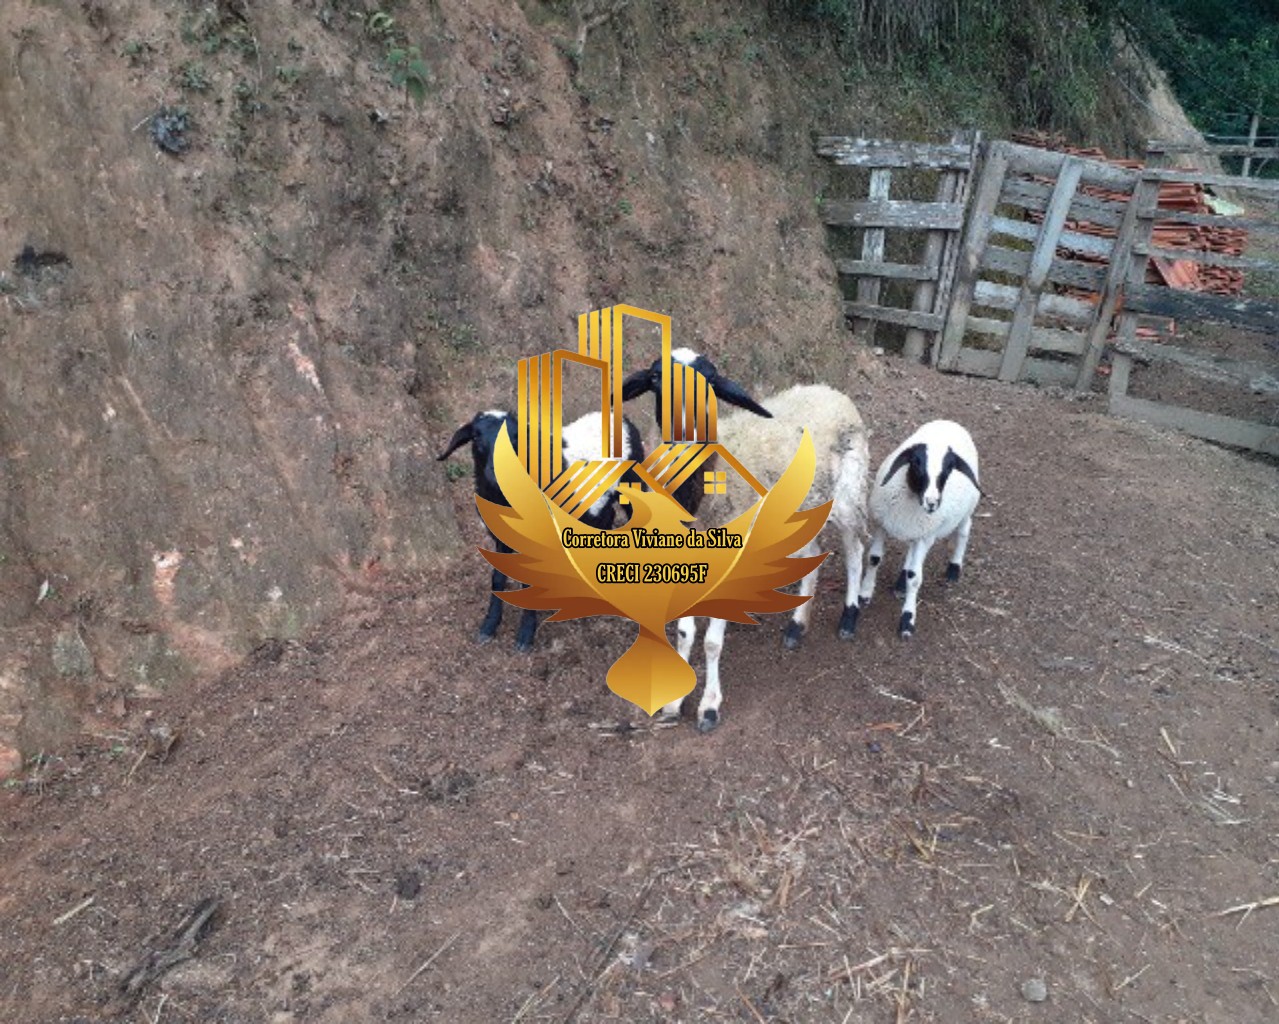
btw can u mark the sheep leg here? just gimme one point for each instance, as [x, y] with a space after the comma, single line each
[528, 627]
[686, 633]
[876, 555]
[708, 710]
[913, 571]
[957, 551]
[488, 628]
[853, 551]
[798, 625]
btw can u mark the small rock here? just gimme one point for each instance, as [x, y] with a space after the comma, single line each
[408, 884]
[168, 129]
[10, 762]
[71, 655]
[1034, 990]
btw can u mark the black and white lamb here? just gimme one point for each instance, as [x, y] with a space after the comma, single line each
[580, 440]
[925, 491]
[765, 437]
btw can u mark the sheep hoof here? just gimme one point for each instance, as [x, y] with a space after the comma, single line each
[899, 588]
[952, 572]
[707, 720]
[485, 636]
[524, 644]
[863, 601]
[906, 628]
[848, 622]
[794, 636]
[665, 717]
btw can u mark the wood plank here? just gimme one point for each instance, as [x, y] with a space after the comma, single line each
[1156, 300]
[1209, 259]
[876, 268]
[1032, 160]
[1208, 148]
[1116, 274]
[1063, 307]
[1042, 339]
[1074, 273]
[1090, 245]
[1034, 195]
[1120, 371]
[952, 246]
[892, 213]
[891, 315]
[1257, 437]
[926, 291]
[976, 238]
[979, 363]
[1215, 180]
[853, 152]
[1212, 220]
[872, 252]
[1254, 377]
[1036, 277]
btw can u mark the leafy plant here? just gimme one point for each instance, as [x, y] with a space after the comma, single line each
[408, 71]
[192, 76]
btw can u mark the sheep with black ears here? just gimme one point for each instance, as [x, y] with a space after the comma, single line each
[689, 493]
[926, 490]
[765, 437]
[580, 441]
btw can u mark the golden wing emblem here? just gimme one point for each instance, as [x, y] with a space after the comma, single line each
[664, 582]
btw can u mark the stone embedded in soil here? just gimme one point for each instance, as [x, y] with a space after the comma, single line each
[10, 762]
[1034, 990]
[71, 656]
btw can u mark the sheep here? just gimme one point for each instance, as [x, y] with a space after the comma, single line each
[935, 497]
[689, 493]
[766, 442]
[580, 440]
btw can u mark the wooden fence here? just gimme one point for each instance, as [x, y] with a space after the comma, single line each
[1250, 315]
[1052, 259]
[1046, 311]
[942, 218]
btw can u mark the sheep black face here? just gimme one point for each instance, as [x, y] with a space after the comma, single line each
[689, 493]
[482, 434]
[925, 482]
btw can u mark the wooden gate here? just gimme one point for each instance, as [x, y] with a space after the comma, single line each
[941, 218]
[1045, 255]
[1053, 258]
[1249, 315]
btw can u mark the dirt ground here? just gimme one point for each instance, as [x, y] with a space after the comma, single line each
[1064, 786]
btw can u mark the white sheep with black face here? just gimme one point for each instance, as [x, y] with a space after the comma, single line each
[580, 442]
[926, 490]
[766, 447]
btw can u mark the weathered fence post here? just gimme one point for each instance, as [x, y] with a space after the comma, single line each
[975, 236]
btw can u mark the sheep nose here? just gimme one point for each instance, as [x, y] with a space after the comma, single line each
[930, 504]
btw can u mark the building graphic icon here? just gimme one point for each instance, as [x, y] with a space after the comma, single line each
[689, 416]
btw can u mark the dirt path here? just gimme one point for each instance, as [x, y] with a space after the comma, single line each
[1066, 777]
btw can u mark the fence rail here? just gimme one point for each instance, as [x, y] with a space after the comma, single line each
[1027, 277]
[941, 218]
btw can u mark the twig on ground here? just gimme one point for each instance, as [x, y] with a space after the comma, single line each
[82, 905]
[428, 961]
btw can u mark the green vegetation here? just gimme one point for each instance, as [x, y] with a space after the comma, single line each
[193, 77]
[404, 60]
[1050, 60]
[1222, 57]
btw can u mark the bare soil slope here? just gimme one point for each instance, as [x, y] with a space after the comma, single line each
[1066, 777]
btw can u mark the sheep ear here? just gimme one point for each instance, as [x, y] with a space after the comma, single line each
[735, 394]
[636, 384]
[904, 458]
[465, 435]
[956, 462]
